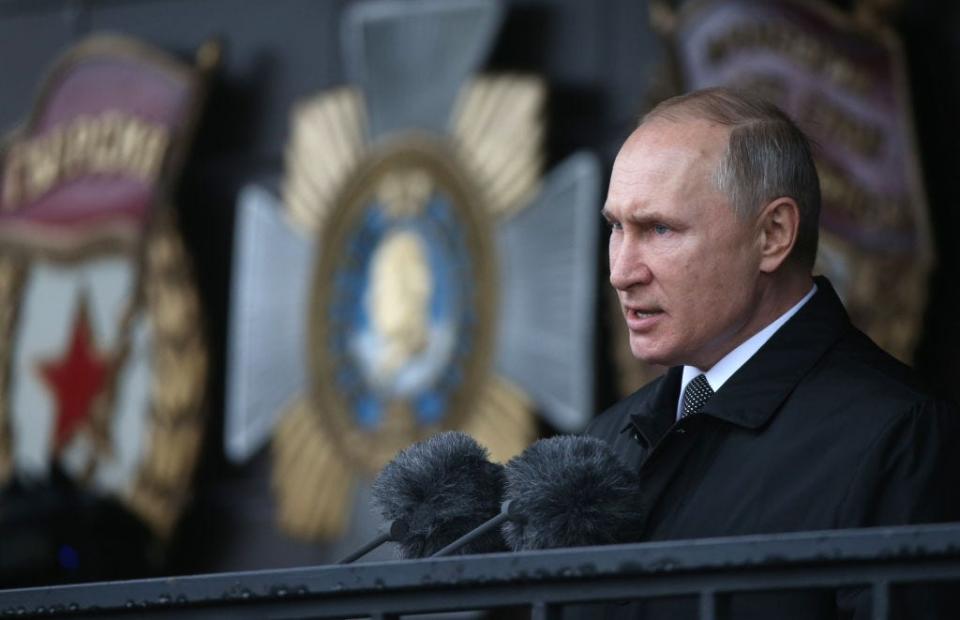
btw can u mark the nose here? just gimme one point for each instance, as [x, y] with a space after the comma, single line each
[628, 268]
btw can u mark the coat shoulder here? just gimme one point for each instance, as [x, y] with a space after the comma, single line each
[866, 372]
[862, 392]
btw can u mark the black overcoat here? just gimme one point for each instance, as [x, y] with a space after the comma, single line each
[820, 429]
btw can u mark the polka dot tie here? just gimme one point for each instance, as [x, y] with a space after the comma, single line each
[696, 395]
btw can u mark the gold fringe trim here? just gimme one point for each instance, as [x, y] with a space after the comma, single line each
[311, 481]
[503, 421]
[498, 128]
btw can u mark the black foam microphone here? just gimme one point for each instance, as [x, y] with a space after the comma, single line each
[441, 488]
[572, 491]
[567, 491]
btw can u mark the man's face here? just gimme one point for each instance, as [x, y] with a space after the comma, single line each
[685, 266]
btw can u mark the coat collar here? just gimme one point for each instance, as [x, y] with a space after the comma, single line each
[651, 417]
[754, 393]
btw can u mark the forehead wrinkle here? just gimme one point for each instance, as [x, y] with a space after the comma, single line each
[672, 171]
[666, 163]
[689, 141]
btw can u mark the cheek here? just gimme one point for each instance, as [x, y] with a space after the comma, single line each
[687, 272]
[724, 289]
[724, 262]
[708, 288]
[613, 248]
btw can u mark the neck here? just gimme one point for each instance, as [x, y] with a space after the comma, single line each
[775, 294]
[781, 293]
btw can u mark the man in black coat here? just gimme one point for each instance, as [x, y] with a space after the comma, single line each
[777, 414]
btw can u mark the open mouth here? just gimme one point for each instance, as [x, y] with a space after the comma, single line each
[641, 319]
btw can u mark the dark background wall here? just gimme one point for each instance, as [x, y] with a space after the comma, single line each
[600, 60]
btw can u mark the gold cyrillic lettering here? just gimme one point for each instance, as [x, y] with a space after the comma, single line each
[43, 162]
[786, 39]
[111, 143]
[154, 148]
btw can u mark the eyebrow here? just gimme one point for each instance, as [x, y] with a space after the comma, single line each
[645, 218]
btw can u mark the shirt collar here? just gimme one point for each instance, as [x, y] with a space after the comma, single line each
[732, 361]
[754, 393]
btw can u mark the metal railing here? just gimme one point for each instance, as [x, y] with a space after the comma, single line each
[544, 581]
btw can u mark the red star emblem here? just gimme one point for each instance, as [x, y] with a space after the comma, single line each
[76, 379]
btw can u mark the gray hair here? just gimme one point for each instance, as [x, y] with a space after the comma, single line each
[767, 156]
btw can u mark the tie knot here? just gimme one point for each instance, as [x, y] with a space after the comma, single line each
[696, 395]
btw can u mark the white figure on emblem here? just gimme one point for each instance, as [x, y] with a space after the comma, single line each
[401, 352]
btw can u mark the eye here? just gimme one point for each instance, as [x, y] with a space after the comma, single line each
[661, 229]
[612, 225]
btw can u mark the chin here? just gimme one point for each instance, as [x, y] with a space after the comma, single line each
[651, 356]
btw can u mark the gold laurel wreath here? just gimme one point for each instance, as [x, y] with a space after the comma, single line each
[179, 360]
[12, 276]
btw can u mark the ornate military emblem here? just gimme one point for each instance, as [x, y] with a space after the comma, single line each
[431, 231]
[103, 361]
[403, 300]
[843, 80]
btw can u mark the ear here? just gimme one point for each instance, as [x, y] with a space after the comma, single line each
[778, 224]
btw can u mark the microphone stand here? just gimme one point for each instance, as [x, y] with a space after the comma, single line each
[507, 513]
[397, 531]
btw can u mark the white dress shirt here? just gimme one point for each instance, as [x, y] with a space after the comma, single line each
[732, 361]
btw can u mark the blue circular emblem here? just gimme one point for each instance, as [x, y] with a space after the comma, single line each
[403, 301]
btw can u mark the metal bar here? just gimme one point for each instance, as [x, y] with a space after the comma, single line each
[708, 605]
[443, 597]
[881, 599]
[828, 560]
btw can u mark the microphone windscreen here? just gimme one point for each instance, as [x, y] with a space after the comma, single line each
[443, 487]
[572, 491]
